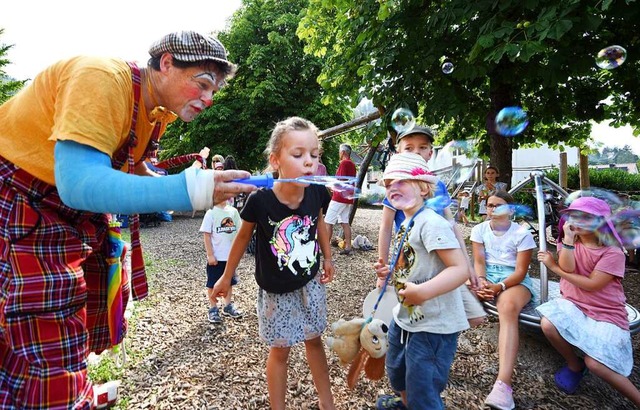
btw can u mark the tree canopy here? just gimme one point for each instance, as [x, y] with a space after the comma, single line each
[537, 54]
[275, 80]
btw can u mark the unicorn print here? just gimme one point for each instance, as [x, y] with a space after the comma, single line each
[291, 243]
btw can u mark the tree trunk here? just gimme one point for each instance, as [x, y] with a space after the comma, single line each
[361, 174]
[500, 155]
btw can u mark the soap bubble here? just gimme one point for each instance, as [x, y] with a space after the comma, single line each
[447, 67]
[627, 225]
[402, 120]
[511, 121]
[454, 161]
[611, 57]
[609, 197]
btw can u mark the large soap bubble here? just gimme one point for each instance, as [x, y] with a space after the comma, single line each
[402, 120]
[611, 57]
[511, 121]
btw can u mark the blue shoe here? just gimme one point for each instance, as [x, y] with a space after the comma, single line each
[567, 380]
[214, 316]
[388, 401]
[231, 311]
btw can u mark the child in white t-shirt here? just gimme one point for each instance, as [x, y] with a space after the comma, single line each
[219, 226]
[463, 206]
[502, 252]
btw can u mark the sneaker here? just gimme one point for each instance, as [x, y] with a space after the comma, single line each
[231, 311]
[501, 397]
[214, 315]
[346, 252]
[388, 401]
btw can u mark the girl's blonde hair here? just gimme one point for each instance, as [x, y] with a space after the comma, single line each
[426, 187]
[290, 124]
[217, 158]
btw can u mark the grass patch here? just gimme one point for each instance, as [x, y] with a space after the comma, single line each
[107, 369]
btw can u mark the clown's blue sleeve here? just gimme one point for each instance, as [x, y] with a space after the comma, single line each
[86, 181]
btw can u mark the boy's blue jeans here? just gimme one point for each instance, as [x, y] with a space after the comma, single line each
[419, 364]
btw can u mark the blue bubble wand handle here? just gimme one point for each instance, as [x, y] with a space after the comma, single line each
[261, 181]
[267, 181]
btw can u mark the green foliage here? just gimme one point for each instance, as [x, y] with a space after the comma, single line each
[611, 179]
[8, 85]
[105, 370]
[275, 80]
[614, 155]
[538, 54]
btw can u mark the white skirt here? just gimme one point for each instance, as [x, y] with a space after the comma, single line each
[602, 341]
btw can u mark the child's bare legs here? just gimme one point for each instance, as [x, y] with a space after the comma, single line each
[320, 372]
[509, 303]
[277, 366]
[227, 299]
[566, 350]
[213, 301]
[616, 380]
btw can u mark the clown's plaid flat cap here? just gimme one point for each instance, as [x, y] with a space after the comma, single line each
[190, 46]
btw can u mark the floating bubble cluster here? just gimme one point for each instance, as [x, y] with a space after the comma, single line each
[454, 162]
[502, 210]
[511, 121]
[611, 57]
[440, 199]
[627, 224]
[402, 120]
[447, 67]
[622, 228]
[609, 197]
[522, 211]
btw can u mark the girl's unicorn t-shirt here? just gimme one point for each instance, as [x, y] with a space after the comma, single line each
[287, 249]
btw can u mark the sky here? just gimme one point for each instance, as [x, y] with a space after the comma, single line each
[43, 32]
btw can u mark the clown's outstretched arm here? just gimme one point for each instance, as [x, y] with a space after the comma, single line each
[86, 181]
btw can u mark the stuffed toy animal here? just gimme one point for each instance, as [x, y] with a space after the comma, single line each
[361, 343]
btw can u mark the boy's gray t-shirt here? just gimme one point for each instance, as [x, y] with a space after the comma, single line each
[419, 263]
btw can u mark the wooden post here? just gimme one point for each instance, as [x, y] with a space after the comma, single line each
[563, 173]
[584, 172]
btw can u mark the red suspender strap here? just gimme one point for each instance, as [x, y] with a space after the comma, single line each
[139, 285]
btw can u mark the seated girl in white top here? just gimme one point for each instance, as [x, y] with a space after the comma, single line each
[502, 252]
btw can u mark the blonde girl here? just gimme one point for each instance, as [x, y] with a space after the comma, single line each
[290, 235]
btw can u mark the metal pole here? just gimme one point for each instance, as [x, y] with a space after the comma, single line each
[542, 235]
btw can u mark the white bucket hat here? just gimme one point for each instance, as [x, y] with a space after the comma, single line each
[407, 165]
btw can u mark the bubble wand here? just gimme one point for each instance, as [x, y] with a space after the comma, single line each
[333, 182]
